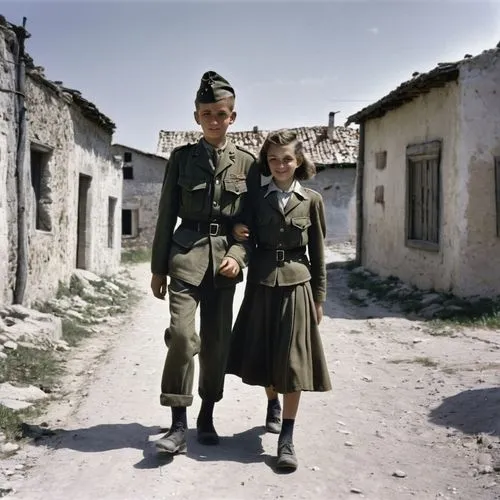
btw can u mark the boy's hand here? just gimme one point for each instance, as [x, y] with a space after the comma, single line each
[229, 268]
[319, 312]
[241, 232]
[159, 286]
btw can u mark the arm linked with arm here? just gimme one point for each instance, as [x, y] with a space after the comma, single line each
[240, 251]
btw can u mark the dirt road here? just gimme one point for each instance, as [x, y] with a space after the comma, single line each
[407, 402]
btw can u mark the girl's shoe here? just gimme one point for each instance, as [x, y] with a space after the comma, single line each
[273, 420]
[286, 456]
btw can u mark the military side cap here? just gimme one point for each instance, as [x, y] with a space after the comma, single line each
[213, 88]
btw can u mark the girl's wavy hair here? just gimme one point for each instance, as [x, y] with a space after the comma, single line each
[284, 137]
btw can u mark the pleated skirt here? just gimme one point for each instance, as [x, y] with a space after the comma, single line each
[276, 341]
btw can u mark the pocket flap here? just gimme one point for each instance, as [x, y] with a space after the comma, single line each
[301, 222]
[192, 184]
[185, 238]
[236, 186]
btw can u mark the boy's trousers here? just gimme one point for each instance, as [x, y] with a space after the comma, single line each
[212, 344]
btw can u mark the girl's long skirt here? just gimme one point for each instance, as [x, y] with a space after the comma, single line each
[276, 342]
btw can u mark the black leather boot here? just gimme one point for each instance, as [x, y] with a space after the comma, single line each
[206, 433]
[174, 441]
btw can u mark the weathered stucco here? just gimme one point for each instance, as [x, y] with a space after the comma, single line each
[142, 193]
[464, 116]
[66, 137]
[480, 144]
[336, 185]
[429, 117]
[78, 147]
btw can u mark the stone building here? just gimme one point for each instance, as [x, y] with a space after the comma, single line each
[142, 181]
[60, 191]
[332, 148]
[430, 179]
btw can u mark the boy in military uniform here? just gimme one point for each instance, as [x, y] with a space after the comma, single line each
[204, 186]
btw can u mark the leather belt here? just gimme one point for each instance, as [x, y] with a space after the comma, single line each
[282, 255]
[206, 227]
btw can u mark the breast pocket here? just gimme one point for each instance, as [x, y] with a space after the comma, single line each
[193, 194]
[234, 190]
[298, 230]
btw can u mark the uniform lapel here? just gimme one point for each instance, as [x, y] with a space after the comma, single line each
[227, 159]
[201, 159]
[293, 201]
[272, 200]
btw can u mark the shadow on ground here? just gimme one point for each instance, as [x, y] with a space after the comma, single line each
[244, 447]
[473, 412]
[94, 439]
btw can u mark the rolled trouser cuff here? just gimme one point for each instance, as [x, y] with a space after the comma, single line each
[175, 399]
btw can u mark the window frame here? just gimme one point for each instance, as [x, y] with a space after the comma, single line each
[415, 154]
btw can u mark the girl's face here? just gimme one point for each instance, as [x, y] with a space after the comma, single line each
[282, 162]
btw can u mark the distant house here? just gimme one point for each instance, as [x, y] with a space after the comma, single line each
[142, 181]
[429, 179]
[333, 149]
[60, 191]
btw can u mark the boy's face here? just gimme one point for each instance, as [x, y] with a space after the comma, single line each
[214, 119]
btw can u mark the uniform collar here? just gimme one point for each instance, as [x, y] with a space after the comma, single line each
[296, 188]
[210, 149]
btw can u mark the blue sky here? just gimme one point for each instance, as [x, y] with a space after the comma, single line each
[291, 62]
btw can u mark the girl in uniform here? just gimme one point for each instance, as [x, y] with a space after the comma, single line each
[276, 342]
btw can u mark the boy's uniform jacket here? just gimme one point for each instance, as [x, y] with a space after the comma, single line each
[208, 199]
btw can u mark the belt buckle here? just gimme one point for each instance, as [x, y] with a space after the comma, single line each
[280, 256]
[214, 229]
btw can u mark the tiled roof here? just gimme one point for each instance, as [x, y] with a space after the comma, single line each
[343, 149]
[421, 83]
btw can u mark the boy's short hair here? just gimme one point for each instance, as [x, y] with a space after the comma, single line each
[285, 137]
[214, 88]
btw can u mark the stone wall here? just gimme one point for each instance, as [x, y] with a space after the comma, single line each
[8, 141]
[141, 194]
[336, 185]
[71, 146]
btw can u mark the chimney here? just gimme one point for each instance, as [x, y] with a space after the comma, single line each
[255, 129]
[331, 124]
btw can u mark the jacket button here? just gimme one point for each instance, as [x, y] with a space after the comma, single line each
[217, 181]
[282, 230]
[214, 203]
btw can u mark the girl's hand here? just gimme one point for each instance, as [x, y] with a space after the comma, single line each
[241, 232]
[319, 312]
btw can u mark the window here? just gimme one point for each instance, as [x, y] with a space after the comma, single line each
[128, 172]
[423, 195]
[130, 222]
[40, 176]
[111, 221]
[127, 157]
[497, 191]
[381, 160]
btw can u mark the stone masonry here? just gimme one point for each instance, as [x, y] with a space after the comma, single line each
[73, 186]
